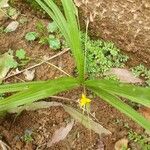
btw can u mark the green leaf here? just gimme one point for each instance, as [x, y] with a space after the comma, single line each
[11, 11]
[121, 106]
[86, 121]
[69, 28]
[136, 94]
[6, 63]
[31, 36]
[16, 87]
[38, 92]
[52, 27]
[35, 106]
[54, 43]
[21, 54]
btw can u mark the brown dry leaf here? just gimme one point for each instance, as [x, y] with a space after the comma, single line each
[124, 75]
[29, 74]
[145, 111]
[122, 143]
[61, 134]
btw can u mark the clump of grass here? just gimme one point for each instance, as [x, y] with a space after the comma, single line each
[110, 91]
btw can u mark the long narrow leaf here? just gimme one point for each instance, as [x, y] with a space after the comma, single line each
[69, 27]
[15, 87]
[121, 106]
[37, 93]
[86, 121]
[136, 94]
[70, 14]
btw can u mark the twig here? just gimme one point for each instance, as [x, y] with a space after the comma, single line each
[58, 68]
[34, 66]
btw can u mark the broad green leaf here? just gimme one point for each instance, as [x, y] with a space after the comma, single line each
[54, 43]
[21, 54]
[68, 27]
[31, 36]
[122, 107]
[136, 94]
[86, 121]
[36, 93]
[6, 63]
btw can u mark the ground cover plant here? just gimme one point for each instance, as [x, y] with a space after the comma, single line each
[101, 57]
[27, 93]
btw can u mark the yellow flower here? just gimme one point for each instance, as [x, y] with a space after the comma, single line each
[84, 101]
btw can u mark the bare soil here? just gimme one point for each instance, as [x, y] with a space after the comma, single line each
[43, 123]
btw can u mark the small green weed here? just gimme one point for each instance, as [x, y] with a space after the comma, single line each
[141, 140]
[47, 35]
[31, 36]
[11, 62]
[54, 43]
[23, 20]
[101, 56]
[142, 71]
[21, 54]
[22, 58]
[27, 137]
[11, 11]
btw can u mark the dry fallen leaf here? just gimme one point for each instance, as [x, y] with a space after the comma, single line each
[86, 121]
[12, 26]
[122, 143]
[61, 134]
[29, 74]
[124, 75]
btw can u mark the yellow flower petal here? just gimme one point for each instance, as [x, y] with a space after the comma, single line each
[84, 101]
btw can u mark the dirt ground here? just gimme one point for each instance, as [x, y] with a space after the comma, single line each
[43, 123]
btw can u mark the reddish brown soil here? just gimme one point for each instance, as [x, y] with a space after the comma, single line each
[44, 122]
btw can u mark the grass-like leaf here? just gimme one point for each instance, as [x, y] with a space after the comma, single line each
[86, 121]
[136, 94]
[69, 28]
[122, 107]
[15, 87]
[36, 93]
